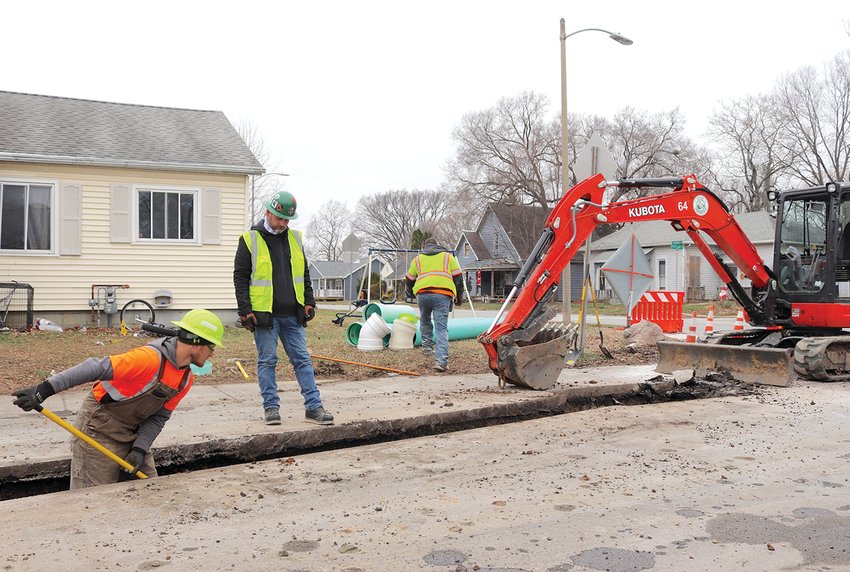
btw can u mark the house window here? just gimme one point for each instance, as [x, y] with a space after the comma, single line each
[466, 249]
[495, 244]
[662, 274]
[25, 211]
[165, 214]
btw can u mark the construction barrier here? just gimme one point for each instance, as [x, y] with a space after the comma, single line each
[661, 307]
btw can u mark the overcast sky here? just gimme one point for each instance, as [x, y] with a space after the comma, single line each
[359, 97]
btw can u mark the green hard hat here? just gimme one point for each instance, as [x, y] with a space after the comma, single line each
[283, 205]
[203, 324]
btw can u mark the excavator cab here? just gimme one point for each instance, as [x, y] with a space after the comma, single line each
[812, 260]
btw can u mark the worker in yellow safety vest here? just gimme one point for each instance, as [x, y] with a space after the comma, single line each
[275, 301]
[435, 278]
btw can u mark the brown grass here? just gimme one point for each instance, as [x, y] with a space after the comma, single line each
[30, 357]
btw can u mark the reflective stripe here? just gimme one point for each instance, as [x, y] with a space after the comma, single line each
[116, 395]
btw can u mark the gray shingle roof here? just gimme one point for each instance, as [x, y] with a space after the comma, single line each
[523, 225]
[758, 226]
[334, 269]
[60, 130]
[477, 244]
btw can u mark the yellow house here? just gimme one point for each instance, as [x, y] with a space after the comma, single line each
[101, 198]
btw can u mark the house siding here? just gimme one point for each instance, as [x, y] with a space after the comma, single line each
[197, 274]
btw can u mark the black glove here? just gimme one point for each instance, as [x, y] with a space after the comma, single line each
[249, 321]
[32, 397]
[309, 313]
[135, 457]
[458, 302]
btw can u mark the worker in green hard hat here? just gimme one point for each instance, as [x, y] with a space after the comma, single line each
[134, 395]
[275, 302]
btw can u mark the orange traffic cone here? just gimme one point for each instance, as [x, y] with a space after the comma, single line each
[692, 329]
[739, 321]
[709, 321]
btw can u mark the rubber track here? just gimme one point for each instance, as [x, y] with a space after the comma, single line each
[822, 359]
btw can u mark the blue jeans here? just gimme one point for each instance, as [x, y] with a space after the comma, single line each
[293, 336]
[438, 306]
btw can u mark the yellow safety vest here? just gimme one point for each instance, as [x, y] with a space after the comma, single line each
[260, 287]
[434, 271]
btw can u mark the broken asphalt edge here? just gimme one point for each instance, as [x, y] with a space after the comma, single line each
[256, 447]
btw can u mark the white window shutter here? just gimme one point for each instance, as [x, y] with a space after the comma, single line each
[211, 216]
[120, 205]
[70, 219]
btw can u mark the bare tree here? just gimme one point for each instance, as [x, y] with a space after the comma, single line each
[815, 113]
[262, 186]
[508, 153]
[643, 145]
[388, 219]
[753, 156]
[327, 229]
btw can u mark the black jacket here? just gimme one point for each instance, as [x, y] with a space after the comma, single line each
[284, 302]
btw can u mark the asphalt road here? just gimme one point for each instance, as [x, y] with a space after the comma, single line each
[746, 482]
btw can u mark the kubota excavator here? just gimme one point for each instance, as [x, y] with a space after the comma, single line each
[798, 310]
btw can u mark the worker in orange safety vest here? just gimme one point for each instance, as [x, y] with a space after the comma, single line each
[133, 397]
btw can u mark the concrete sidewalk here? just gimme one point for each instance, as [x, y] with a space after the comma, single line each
[224, 422]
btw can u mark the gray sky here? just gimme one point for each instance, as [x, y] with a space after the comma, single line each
[358, 97]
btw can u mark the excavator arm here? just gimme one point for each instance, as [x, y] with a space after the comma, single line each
[522, 352]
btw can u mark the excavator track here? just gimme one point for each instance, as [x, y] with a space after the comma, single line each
[823, 358]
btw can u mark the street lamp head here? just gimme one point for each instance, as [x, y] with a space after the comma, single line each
[621, 39]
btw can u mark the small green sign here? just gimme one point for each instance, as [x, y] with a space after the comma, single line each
[676, 245]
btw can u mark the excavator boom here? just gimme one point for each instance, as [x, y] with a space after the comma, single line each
[522, 352]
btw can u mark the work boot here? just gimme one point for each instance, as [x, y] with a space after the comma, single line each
[441, 367]
[319, 416]
[427, 350]
[272, 416]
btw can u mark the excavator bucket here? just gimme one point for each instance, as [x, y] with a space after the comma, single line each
[536, 362]
[769, 366]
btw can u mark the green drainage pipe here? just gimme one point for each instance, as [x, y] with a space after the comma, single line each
[389, 312]
[459, 329]
[352, 334]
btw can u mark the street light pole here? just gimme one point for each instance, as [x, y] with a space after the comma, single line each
[253, 195]
[565, 164]
[566, 275]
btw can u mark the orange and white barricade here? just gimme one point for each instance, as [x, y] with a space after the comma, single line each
[663, 307]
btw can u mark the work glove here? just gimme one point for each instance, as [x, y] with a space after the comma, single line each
[135, 457]
[249, 321]
[458, 302]
[32, 397]
[309, 313]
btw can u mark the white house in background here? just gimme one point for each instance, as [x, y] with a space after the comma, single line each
[682, 269]
[95, 193]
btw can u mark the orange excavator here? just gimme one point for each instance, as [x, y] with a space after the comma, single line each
[797, 309]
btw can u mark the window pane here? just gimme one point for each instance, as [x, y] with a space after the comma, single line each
[38, 218]
[12, 209]
[144, 214]
[187, 216]
[172, 210]
[158, 215]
